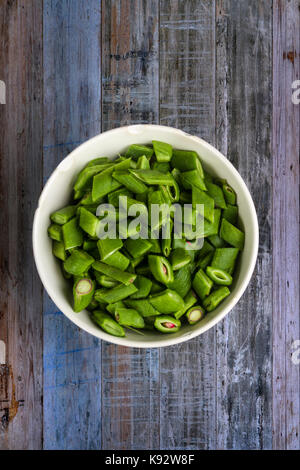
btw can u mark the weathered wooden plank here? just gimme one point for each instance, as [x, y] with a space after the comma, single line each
[243, 126]
[72, 114]
[187, 74]
[130, 95]
[286, 240]
[20, 185]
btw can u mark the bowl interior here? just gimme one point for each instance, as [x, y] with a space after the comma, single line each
[57, 192]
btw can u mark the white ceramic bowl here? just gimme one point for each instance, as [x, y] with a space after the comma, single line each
[56, 194]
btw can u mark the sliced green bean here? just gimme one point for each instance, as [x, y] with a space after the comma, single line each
[135, 151]
[115, 273]
[229, 194]
[54, 232]
[180, 258]
[195, 314]
[131, 182]
[162, 150]
[78, 262]
[115, 294]
[161, 269]
[143, 306]
[217, 194]
[225, 258]
[189, 300]
[202, 284]
[232, 234]
[219, 276]
[62, 216]
[167, 324]
[143, 285]
[108, 246]
[186, 160]
[107, 323]
[129, 317]
[213, 300]
[167, 301]
[72, 234]
[58, 249]
[83, 292]
[88, 222]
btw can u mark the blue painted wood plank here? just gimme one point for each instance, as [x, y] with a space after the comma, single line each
[130, 80]
[243, 114]
[187, 101]
[72, 104]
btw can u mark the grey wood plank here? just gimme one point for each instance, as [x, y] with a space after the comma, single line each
[20, 185]
[286, 239]
[72, 114]
[243, 129]
[130, 94]
[187, 93]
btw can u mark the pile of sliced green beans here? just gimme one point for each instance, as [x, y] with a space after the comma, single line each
[147, 284]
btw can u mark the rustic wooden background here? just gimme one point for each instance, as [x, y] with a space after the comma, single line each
[220, 69]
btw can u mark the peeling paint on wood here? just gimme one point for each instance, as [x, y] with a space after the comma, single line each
[72, 114]
[286, 237]
[20, 185]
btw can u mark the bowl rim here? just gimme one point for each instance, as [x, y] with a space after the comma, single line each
[169, 341]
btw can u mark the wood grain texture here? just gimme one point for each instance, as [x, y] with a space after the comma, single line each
[187, 74]
[244, 348]
[130, 94]
[72, 114]
[286, 240]
[20, 185]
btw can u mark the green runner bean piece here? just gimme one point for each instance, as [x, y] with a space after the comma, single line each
[58, 249]
[115, 273]
[108, 246]
[83, 293]
[88, 222]
[143, 306]
[205, 260]
[113, 198]
[107, 323]
[111, 308]
[191, 178]
[161, 269]
[217, 194]
[54, 232]
[167, 324]
[180, 258]
[155, 248]
[229, 194]
[84, 179]
[130, 181]
[216, 241]
[167, 301]
[72, 234]
[143, 285]
[163, 167]
[135, 151]
[137, 248]
[219, 276]
[162, 150]
[143, 163]
[129, 317]
[62, 216]
[89, 245]
[212, 301]
[154, 177]
[202, 284]
[189, 300]
[105, 281]
[186, 160]
[182, 282]
[78, 262]
[115, 294]
[225, 258]
[195, 314]
[231, 214]
[98, 161]
[232, 234]
[201, 197]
